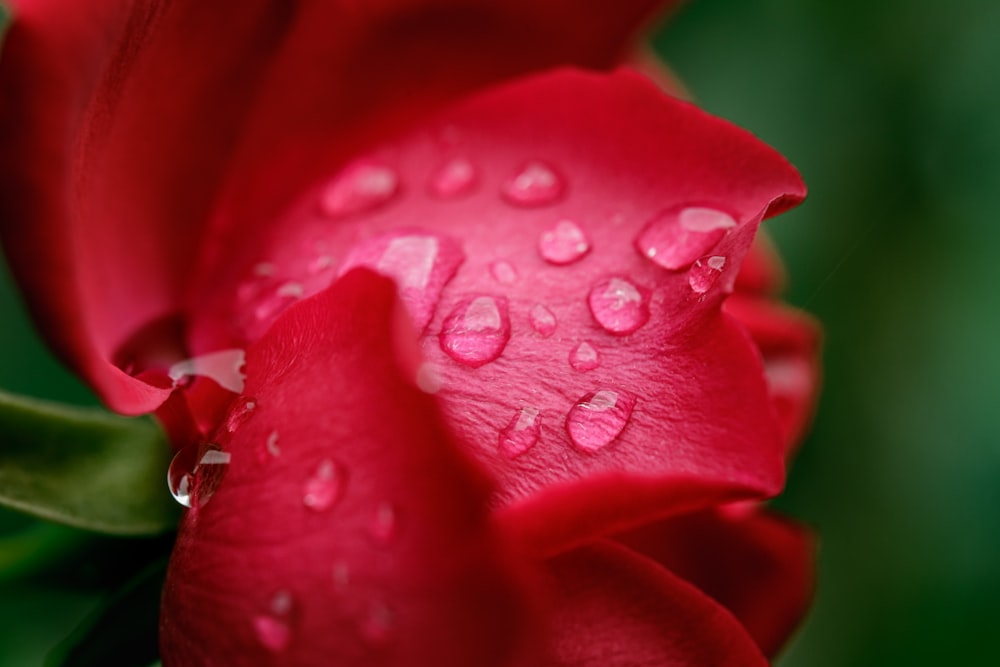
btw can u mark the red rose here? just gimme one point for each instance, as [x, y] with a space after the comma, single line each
[519, 444]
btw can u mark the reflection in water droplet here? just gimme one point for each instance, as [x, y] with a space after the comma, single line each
[536, 184]
[195, 473]
[584, 357]
[455, 178]
[325, 487]
[543, 320]
[241, 412]
[503, 272]
[273, 628]
[377, 625]
[225, 367]
[361, 187]
[619, 306]
[563, 243]
[521, 434]
[705, 273]
[598, 418]
[384, 524]
[675, 238]
[477, 330]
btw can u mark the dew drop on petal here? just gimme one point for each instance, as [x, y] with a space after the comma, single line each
[477, 330]
[361, 187]
[618, 305]
[675, 238]
[320, 264]
[563, 243]
[536, 184]
[377, 625]
[543, 320]
[429, 378]
[271, 444]
[384, 524]
[273, 628]
[325, 487]
[196, 472]
[705, 272]
[241, 412]
[503, 272]
[584, 357]
[599, 417]
[521, 434]
[180, 475]
[454, 178]
[225, 367]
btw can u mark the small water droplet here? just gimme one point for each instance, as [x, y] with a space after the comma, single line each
[225, 367]
[273, 628]
[477, 330]
[619, 306]
[377, 625]
[271, 444]
[584, 357]
[320, 264]
[675, 238]
[543, 320]
[429, 378]
[455, 178]
[361, 187]
[242, 411]
[599, 417]
[563, 243]
[521, 434]
[503, 272]
[325, 487]
[195, 473]
[536, 184]
[705, 273]
[263, 269]
[384, 524]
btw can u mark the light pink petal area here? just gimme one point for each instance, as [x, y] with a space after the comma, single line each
[343, 527]
[619, 608]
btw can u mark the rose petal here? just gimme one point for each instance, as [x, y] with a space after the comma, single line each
[762, 271]
[618, 608]
[757, 564]
[346, 529]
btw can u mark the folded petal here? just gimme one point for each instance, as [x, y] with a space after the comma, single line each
[618, 608]
[758, 565]
[332, 521]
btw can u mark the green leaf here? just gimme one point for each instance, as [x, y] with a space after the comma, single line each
[84, 468]
[123, 632]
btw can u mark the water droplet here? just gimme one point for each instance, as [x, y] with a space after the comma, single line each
[563, 243]
[429, 378]
[675, 238]
[195, 473]
[421, 265]
[384, 524]
[240, 414]
[455, 178]
[477, 330]
[598, 418]
[543, 320]
[273, 629]
[377, 625]
[705, 273]
[320, 264]
[325, 487]
[536, 184]
[263, 269]
[271, 444]
[619, 306]
[503, 272]
[361, 187]
[225, 367]
[584, 357]
[521, 434]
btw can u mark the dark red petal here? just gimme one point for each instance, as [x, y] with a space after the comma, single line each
[618, 608]
[758, 565]
[789, 341]
[346, 528]
[536, 298]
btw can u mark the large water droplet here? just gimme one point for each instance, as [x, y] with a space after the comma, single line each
[618, 305]
[384, 524]
[455, 178]
[521, 434]
[225, 367]
[599, 417]
[361, 187]
[477, 330]
[536, 184]
[676, 238]
[543, 320]
[377, 625]
[421, 265]
[584, 357]
[241, 412]
[195, 473]
[563, 243]
[273, 628]
[325, 487]
[705, 273]
[503, 272]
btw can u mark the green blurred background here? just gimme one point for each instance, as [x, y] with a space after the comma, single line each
[891, 110]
